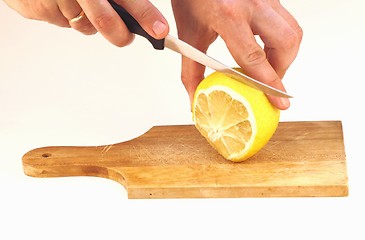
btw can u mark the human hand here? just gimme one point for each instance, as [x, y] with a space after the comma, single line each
[237, 22]
[98, 16]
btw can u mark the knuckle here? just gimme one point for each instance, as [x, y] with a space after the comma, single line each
[45, 12]
[299, 31]
[107, 26]
[275, 82]
[103, 21]
[292, 37]
[145, 13]
[88, 29]
[258, 3]
[39, 9]
[227, 11]
[255, 55]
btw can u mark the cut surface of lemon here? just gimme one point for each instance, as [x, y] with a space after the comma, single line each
[236, 120]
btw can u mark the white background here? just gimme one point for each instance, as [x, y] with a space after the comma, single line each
[58, 87]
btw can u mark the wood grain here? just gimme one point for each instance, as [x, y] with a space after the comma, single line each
[302, 159]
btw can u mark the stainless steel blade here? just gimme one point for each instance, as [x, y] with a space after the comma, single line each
[187, 50]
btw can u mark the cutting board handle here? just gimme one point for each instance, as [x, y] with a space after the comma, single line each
[67, 161]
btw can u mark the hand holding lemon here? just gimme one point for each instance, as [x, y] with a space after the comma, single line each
[240, 24]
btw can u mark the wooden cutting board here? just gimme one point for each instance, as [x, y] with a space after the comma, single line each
[302, 159]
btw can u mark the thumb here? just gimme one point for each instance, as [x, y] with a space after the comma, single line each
[148, 16]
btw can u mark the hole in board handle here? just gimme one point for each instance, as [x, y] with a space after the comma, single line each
[46, 155]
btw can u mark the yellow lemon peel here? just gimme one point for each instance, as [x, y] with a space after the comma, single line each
[236, 120]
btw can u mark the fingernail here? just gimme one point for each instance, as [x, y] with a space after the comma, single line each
[158, 27]
[285, 102]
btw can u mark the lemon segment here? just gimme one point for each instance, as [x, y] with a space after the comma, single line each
[236, 120]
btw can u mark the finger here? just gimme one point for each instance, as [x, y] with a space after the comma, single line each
[289, 19]
[280, 38]
[106, 21]
[69, 8]
[252, 59]
[294, 25]
[148, 16]
[192, 73]
[77, 18]
[82, 24]
[49, 12]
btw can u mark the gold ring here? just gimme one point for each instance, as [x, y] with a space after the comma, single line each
[78, 17]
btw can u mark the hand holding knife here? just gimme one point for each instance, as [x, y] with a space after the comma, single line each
[185, 49]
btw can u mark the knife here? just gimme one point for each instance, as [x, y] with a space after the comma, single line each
[189, 51]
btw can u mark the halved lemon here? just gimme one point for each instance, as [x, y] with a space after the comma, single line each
[236, 120]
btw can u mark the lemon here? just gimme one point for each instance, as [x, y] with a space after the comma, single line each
[237, 120]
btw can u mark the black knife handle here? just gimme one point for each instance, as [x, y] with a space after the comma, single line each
[135, 27]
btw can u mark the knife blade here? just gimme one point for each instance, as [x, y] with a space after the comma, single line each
[189, 51]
